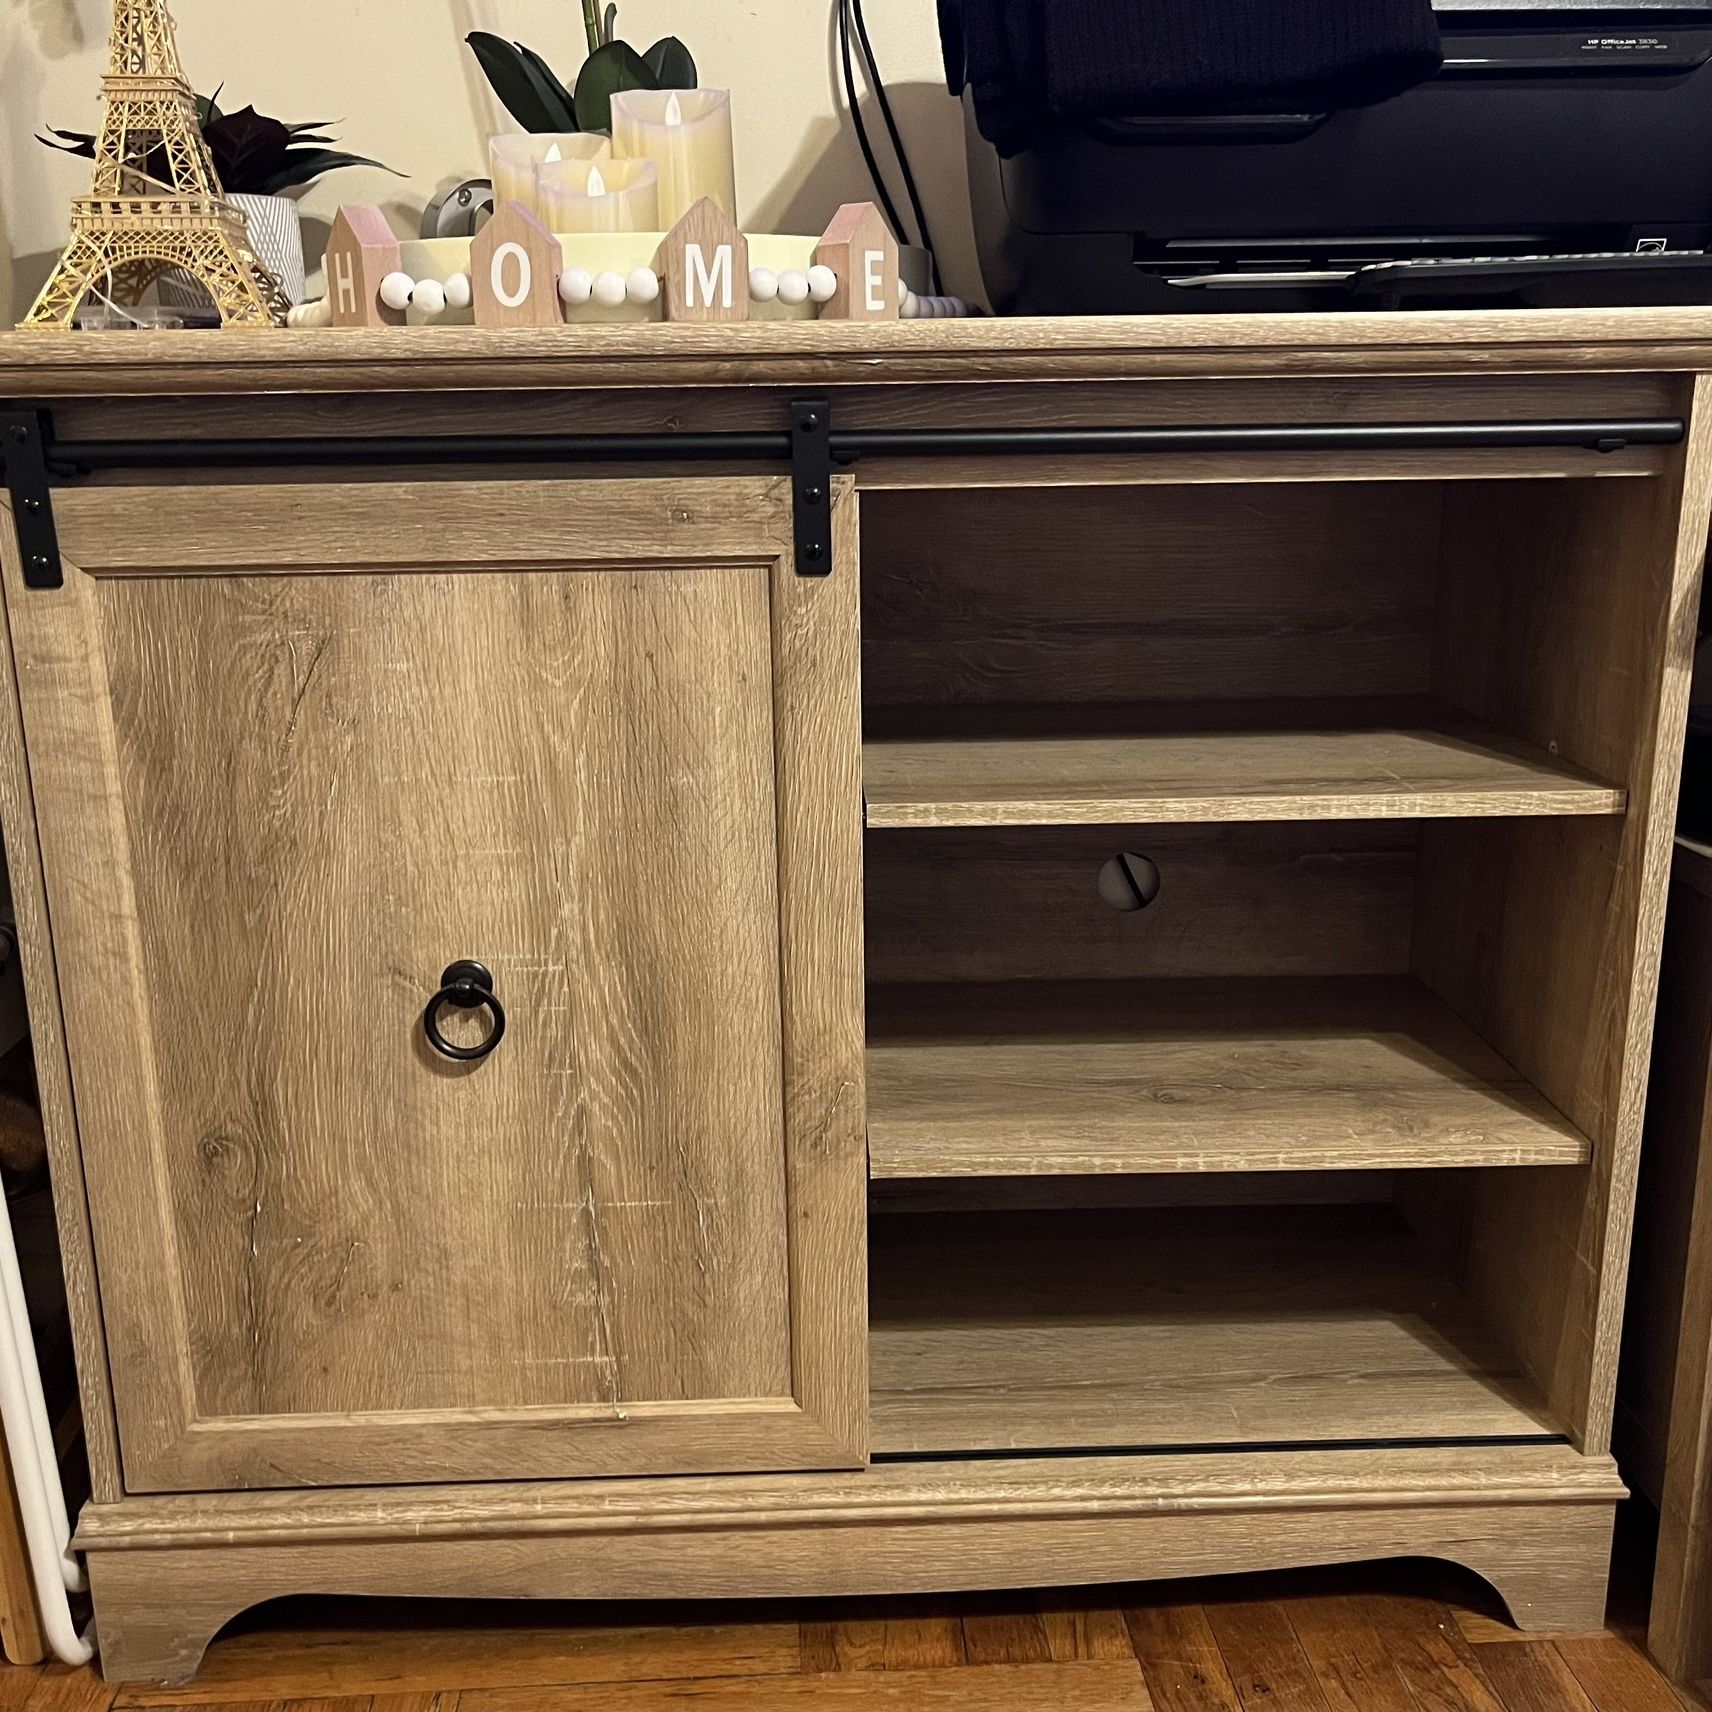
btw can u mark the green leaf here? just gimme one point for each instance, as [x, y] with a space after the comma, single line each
[671, 64]
[609, 25]
[614, 68]
[299, 167]
[506, 70]
[208, 107]
[558, 101]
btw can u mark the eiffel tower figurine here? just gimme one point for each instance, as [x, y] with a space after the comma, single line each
[134, 226]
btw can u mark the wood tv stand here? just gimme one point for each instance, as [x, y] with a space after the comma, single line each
[1076, 906]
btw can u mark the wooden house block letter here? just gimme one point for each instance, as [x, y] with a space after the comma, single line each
[860, 249]
[704, 267]
[362, 249]
[515, 264]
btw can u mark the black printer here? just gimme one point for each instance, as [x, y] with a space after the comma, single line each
[1563, 156]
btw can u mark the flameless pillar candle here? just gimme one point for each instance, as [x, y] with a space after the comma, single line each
[686, 133]
[599, 196]
[516, 160]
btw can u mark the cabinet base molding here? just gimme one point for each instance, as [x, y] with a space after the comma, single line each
[1533, 1520]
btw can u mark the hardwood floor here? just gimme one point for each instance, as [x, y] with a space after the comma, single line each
[1398, 1638]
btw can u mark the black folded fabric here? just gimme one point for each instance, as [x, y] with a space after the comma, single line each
[1030, 62]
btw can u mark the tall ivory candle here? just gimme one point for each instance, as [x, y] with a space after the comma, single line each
[686, 133]
[600, 196]
[515, 160]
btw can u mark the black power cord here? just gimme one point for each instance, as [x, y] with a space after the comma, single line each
[850, 14]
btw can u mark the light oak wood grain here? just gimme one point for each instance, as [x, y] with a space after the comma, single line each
[890, 404]
[1534, 1520]
[1089, 471]
[1120, 595]
[1314, 898]
[584, 1254]
[1552, 612]
[1185, 1076]
[436, 358]
[1677, 1113]
[53, 1071]
[1544, 936]
[1503, 1476]
[1195, 1326]
[1307, 770]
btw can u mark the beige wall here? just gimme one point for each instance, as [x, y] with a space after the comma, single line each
[397, 74]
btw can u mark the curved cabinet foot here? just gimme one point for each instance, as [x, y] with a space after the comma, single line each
[1553, 1581]
[154, 1619]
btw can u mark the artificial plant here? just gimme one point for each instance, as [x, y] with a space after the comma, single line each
[253, 155]
[538, 99]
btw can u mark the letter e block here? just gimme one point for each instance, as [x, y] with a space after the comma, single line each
[860, 249]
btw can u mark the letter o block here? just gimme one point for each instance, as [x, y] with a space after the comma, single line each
[514, 271]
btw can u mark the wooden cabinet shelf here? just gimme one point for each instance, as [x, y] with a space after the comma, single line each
[1173, 1328]
[1226, 763]
[1035, 1078]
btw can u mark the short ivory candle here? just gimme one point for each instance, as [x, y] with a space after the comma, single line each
[599, 196]
[516, 159]
[686, 133]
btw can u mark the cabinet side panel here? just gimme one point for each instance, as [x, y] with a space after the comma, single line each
[53, 1073]
[1666, 1395]
[1670, 1159]
[1567, 617]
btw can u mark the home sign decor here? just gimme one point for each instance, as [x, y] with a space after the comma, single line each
[517, 273]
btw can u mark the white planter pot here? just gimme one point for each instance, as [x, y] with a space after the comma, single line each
[276, 236]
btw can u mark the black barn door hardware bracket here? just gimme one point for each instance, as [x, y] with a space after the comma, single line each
[24, 439]
[810, 447]
[811, 485]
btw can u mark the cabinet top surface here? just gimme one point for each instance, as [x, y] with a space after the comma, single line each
[51, 364]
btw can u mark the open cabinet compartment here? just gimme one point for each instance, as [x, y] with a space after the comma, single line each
[1374, 758]
[1244, 1326]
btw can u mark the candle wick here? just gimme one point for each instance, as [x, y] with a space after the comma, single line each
[674, 110]
[596, 184]
[555, 153]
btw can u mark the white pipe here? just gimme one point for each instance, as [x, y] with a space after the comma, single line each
[47, 1457]
[32, 1480]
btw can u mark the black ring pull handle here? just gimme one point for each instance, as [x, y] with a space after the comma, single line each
[465, 986]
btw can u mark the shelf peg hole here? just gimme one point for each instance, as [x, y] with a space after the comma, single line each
[1129, 882]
